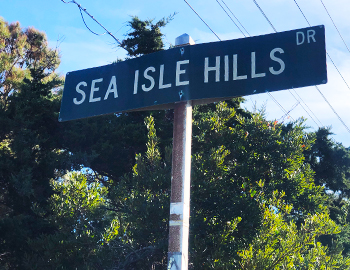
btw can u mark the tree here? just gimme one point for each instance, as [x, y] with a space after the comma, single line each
[141, 200]
[331, 162]
[30, 154]
[281, 244]
[232, 155]
[234, 202]
[20, 52]
[35, 148]
[84, 228]
[145, 37]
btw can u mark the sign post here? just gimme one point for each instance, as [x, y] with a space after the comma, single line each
[180, 179]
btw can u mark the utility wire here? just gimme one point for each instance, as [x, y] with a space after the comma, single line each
[235, 17]
[302, 13]
[284, 116]
[201, 20]
[300, 99]
[263, 13]
[305, 109]
[338, 70]
[92, 17]
[309, 109]
[282, 108]
[231, 18]
[88, 26]
[335, 26]
[289, 90]
[341, 120]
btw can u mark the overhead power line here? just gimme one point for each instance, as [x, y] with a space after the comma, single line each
[329, 15]
[321, 125]
[298, 100]
[279, 104]
[302, 12]
[92, 17]
[231, 18]
[301, 104]
[235, 17]
[284, 116]
[202, 20]
[263, 13]
[341, 120]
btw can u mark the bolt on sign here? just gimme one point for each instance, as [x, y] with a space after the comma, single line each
[208, 71]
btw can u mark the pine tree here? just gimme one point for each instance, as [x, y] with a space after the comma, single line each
[30, 154]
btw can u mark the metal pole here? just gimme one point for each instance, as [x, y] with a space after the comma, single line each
[180, 181]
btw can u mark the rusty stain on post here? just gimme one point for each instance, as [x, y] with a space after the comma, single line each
[180, 178]
[180, 187]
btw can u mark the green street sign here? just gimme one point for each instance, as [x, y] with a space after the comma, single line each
[209, 71]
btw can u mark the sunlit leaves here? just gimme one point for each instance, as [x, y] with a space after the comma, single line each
[281, 244]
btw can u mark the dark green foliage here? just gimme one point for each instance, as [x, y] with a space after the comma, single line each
[281, 244]
[30, 157]
[20, 52]
[141, 200]
[30, 152]
[331, 163]
[145, 36]
[232, 156]
[108, 144]
[84, 228]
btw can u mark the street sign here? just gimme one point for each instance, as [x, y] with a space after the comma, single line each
[224, 69]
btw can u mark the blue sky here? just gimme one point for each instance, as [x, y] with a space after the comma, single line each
[81, 49]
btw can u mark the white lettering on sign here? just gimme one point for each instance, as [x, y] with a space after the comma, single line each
[235, 70]
[161, 79]
[226, 69]
[112, 88]
[310, 36]
[279, 60]
[151, 74]
[81, 92]
[94, 89]
[274, 56]
[148, 77]
[215, 68]
[136, 81]
[180, 71]
[254, 74]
